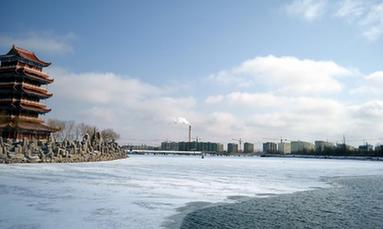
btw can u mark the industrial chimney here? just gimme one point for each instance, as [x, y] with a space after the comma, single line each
[190, 133]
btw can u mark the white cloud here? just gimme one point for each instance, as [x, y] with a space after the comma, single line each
[140, 112]
[309, 9]
[40, 42]
[376, 77]
[222, 126]
[285, 75]
[257, 116]
[351, 8]
[282, 107]
[256, 100]
[370, 86]
[367, 120]
[308, 116]
[101, 88]
[214, 99]
[371, 111]
[367, 15]
[372, 22]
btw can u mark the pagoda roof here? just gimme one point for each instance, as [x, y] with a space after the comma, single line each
[27, 55]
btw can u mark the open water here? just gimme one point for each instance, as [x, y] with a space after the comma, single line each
[353, 202]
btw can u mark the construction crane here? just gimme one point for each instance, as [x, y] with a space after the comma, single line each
[240, 143]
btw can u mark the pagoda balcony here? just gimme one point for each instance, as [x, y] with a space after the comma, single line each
[23, 118]
[26, 69]
[32, 70]
[8, 84]
[28, 88]
[20, 65]
[33, 103]
[29, 119]
[24, 102]
[36, 88]
[26, 85]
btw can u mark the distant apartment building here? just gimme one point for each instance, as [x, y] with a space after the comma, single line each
[248, 147]
[366, 148]
[232, 148]
[220, 147]
[301, 147]
[321, 146]
[269, 147]
[171, 146]
[284, 147]
[140, 147]
[379, 149]
[200, 146]
[345, 147]
[210, 147]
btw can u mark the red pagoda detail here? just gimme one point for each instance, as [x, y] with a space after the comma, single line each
[21, 81]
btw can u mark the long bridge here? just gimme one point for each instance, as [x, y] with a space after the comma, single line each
[163, 152]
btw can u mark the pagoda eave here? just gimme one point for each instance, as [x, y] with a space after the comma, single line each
[35, 109]
[42, 80]
[37, 93]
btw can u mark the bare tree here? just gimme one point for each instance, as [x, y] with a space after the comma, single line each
[83, 129]
[59, 125]
[69, 130]
[65, 129]
[109, 135]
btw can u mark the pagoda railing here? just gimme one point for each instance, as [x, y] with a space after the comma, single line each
[34, 87]
[28, 118]
[21, 117]
[8, 84]
[25, 101]
[17, 66]
[33, 103]
[41, 73]
[37, 88]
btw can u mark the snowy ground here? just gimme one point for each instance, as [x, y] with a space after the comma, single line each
[143, 191]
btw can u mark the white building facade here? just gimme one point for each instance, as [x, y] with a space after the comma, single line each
[284, 147]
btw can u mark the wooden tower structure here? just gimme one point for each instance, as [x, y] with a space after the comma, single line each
[21, 89]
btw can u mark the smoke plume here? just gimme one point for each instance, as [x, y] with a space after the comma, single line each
[181, 120]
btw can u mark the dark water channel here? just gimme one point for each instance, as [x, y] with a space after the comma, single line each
[352, 202]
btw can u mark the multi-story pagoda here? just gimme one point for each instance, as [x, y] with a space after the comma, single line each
[21, 81]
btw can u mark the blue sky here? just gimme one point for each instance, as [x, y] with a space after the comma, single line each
[233, 69]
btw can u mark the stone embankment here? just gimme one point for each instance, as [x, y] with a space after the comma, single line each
[32, 151]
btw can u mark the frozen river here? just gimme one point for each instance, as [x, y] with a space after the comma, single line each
[145, 191]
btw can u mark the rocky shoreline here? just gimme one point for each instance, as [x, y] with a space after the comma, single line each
[90, 149]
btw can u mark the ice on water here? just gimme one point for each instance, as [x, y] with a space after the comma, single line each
[142, 191]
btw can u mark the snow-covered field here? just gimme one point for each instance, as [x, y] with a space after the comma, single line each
[143, 191]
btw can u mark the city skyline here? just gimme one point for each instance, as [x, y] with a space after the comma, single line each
[307, 70]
